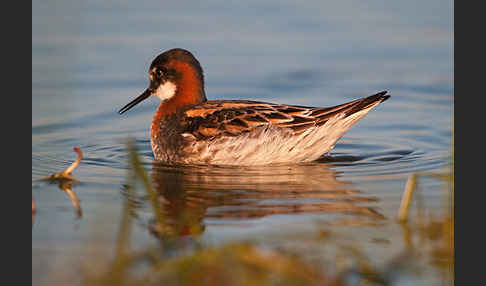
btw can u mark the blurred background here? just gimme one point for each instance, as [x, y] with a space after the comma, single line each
[316, 52]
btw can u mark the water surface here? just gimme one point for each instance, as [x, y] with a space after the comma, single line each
[90, 59]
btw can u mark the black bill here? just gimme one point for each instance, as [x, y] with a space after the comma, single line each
[136, 101]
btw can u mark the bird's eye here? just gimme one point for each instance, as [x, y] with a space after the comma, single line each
[159, 73]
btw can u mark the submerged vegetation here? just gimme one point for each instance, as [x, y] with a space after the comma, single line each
[256, 263]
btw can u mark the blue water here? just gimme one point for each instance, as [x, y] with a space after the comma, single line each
[91, 58]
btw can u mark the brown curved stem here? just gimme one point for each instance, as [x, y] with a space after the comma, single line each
[73, 166]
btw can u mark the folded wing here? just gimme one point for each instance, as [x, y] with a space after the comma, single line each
[235, 117]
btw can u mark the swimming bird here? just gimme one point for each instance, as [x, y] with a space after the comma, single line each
[189, 129]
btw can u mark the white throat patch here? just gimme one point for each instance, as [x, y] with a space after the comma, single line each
[166, 90]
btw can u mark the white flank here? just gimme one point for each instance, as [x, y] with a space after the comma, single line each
[272, 145]
[166, 90]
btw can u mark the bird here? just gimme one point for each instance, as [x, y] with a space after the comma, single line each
[189, 129]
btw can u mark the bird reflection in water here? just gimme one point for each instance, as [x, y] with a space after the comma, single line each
[189, 194]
